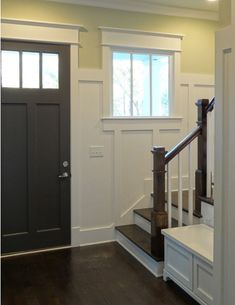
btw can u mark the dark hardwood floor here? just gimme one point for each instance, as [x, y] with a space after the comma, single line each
[93, 275]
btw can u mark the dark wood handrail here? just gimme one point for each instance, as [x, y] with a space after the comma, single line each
[211, 105]
[159, 217]
[181, 145]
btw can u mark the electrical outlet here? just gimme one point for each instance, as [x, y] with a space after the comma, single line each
[96, 151]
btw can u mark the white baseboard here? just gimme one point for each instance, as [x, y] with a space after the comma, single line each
[75, 236]
[156, 268]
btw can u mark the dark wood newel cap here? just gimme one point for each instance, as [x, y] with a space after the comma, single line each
[202, 102]
[159, 149]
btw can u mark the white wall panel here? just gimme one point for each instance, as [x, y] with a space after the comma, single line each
[136, 165]
[96, 174]
[112, 186]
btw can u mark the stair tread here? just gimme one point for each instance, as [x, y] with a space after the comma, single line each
[139, 237]
[146, 214]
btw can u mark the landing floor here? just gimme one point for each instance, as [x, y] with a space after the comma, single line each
[93, 275]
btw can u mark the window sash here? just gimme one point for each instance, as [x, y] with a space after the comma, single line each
[150, 54]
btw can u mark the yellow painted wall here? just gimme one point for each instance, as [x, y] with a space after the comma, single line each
[198, 44]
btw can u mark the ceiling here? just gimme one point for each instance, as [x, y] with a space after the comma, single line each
[202, 9]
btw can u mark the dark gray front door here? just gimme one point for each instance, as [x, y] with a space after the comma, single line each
[35, 146]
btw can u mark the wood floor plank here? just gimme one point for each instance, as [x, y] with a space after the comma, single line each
[93, 275]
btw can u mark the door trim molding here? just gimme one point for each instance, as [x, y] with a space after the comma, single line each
[41, 31]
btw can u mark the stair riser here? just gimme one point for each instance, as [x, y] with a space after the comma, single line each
[146, 225]
[207, 214]
[142, 223]
[156, 268]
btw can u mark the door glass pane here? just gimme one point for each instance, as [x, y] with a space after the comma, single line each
[141, 85]
[121, 84]
[10, 69]
[30, 70]
[50, 71]
[160, 85]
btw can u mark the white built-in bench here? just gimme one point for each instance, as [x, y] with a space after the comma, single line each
[189, 260]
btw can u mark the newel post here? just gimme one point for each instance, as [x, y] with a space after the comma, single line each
[159, 219]
[201, 172]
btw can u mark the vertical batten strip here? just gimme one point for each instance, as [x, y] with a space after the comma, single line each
[180, 198]
[209, 153]
[169, 201]
[190, 185]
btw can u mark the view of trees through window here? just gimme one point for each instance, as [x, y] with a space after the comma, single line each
[140, 84]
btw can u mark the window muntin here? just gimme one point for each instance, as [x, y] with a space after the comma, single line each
[30, 70]
[141, 84]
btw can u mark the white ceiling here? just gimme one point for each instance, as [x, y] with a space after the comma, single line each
[189, 8]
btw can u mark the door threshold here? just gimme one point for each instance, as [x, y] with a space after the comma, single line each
[35, 251]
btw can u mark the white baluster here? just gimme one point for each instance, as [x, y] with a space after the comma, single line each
[169, 201]
[180, 198]
[190, 185]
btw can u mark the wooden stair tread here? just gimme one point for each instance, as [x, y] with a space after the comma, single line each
[139, 237]
[146, 214]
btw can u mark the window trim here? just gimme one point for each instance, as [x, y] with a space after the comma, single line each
[134, 40]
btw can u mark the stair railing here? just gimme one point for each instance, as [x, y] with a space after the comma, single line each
[161, 218]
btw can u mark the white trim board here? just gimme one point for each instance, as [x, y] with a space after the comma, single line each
[39, 31]
[132, 38]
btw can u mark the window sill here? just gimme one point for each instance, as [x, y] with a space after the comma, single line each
[152, 118]
[142, 123]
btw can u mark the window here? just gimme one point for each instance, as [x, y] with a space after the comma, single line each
[140, 84]
[10, 69]
[141, 74]
[30, 70]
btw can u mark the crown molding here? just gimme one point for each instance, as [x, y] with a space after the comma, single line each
[147, 7]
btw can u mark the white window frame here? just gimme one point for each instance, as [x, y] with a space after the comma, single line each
[115, 39]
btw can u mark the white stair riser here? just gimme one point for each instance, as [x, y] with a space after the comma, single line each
[207, 214]
[142, 223]
[156, 268]
[146, 225]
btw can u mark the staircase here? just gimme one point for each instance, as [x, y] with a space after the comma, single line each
[143, 238]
